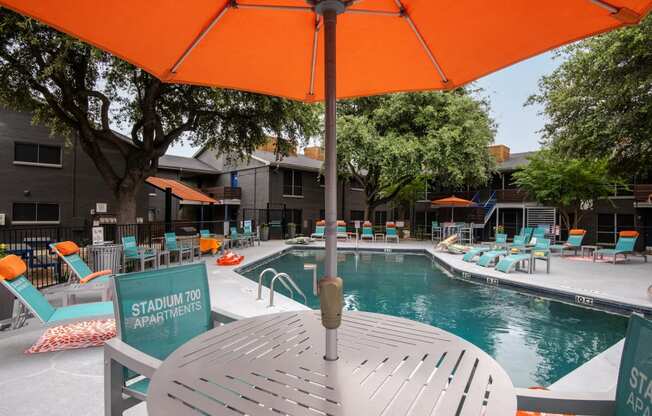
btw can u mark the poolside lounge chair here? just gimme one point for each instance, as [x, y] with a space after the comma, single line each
[474, 252]
[526, 233]
[489, 258]
[131, 252]
[444, 244]
[68, 251]
[249, 234]
[632, 389]
[500, 241]
[320, 229]
[624, 247]
[12, 276]
[539, 232]
[367, 232]
[341, 230]
[574, 242]
[131, 359]
[519, 243]
[459, 249]
[514, 262]
[173, 246]
[390, 232]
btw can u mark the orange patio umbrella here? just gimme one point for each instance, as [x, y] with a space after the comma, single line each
[452, 202]
[288, 47]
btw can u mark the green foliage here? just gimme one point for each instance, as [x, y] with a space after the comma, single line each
[388, 142]
[566, 183]
[599, 101]
[74, 88]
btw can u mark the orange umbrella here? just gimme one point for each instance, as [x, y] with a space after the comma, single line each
[288, 48]
[452, 202]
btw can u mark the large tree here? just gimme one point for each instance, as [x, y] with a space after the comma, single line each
[570, 184]
[76, 89]
[388, 142]
[599, 101]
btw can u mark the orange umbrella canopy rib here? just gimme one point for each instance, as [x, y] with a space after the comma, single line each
[453, 201]
[276, 46]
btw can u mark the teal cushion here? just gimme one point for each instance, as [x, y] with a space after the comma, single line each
[31, 297]
[78, 265]
[141, 386]
[82, 310]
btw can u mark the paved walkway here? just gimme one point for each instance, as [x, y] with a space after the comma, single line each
[71, 382]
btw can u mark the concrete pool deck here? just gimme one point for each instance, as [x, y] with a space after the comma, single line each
[71, 382]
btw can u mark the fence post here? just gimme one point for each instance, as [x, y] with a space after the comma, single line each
[168, 209]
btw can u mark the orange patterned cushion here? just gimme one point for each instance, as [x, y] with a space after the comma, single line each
[390, 225]
[321, 222]
[628, 234]
[366, 224]
[12, 267]
[66, 248]
[577, 231]
[341, 223]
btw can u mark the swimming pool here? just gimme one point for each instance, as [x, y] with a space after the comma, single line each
[536, 340]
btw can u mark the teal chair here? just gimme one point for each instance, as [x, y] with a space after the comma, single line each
[519, 243]
[173, 247]
[489, 258]
[391, 234]
[624, 247]
[541, 252]
[526, 233]
[145, 336]
[249, 234]
[80, 270]
[367, 232]
[501, 240]
[435, 231]
[574, 242]
[319, 232]
[341, 230]
[474, 252]
[539, 232]
[132, 253]
[206, 234]
[632, 390]
[236, 238]
[32, 301]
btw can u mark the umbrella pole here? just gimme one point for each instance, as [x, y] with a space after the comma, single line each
[331, 285]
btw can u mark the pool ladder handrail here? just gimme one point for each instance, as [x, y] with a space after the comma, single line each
[261, 277]
[280, 277]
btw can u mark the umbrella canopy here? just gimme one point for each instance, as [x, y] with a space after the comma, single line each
[453, 201]
[276, 47]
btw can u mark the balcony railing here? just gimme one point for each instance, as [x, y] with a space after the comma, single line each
[224, 192]
[643, 192]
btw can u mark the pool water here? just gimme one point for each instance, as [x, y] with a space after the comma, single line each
[536, 340]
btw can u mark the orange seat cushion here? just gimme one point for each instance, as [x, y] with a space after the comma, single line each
[577, 231]
[341, 223]
[66, 248]
[390, 225]
[321, 222]
[12, 267]
[628, 234]
[96, 274]
[366, 224]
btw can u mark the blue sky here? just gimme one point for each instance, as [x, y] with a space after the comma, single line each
[507, 90]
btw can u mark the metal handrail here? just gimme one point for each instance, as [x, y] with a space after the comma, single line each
[260, 283]
[280, 277]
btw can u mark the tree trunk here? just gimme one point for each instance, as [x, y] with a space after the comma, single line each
[369, 213]
[126, 206]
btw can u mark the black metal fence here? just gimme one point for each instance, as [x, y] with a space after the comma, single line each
[46, 269]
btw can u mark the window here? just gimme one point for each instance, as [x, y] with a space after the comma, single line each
[380, 217]
[355, 185]
[292, 183]
[37, 154]
[234, 179]
[30, 212]
[357, 215]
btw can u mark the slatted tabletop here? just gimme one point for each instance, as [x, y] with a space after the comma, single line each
[273, 364]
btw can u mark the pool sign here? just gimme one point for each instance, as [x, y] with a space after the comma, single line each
[98, 235]
[634, 394]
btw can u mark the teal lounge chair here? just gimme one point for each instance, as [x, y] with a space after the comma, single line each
[81, 272]
[474, 252]
[519, 243]
[173, 246]
[514, 262]
[489, 258]
[367, 232]
[633, 384]
[131, 252]
[624, 247]
[574, 242]
[249, 234]
[501, 241]
[143, 338]
[237, 238]
[541, 252]
[341, 230]
[539, 232]
[319, 232]
[33, 301]
[206, 234]
[526, 233]
[391, 234]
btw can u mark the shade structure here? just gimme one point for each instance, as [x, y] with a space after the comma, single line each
[277, 46]
[452, 202]
[288, 48]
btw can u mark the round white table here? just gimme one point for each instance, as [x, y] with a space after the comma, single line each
[273, 364]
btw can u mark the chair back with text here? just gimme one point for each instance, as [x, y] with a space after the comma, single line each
[247, 229]
[12, 276]
[626, 240]
[635, 375]
[234, 233]
[171, 241]
[157, 311]
[69, 253]
[130, 246]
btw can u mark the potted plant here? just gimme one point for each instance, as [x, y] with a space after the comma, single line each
[3, 250]
[500, 229]
[264, 232]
